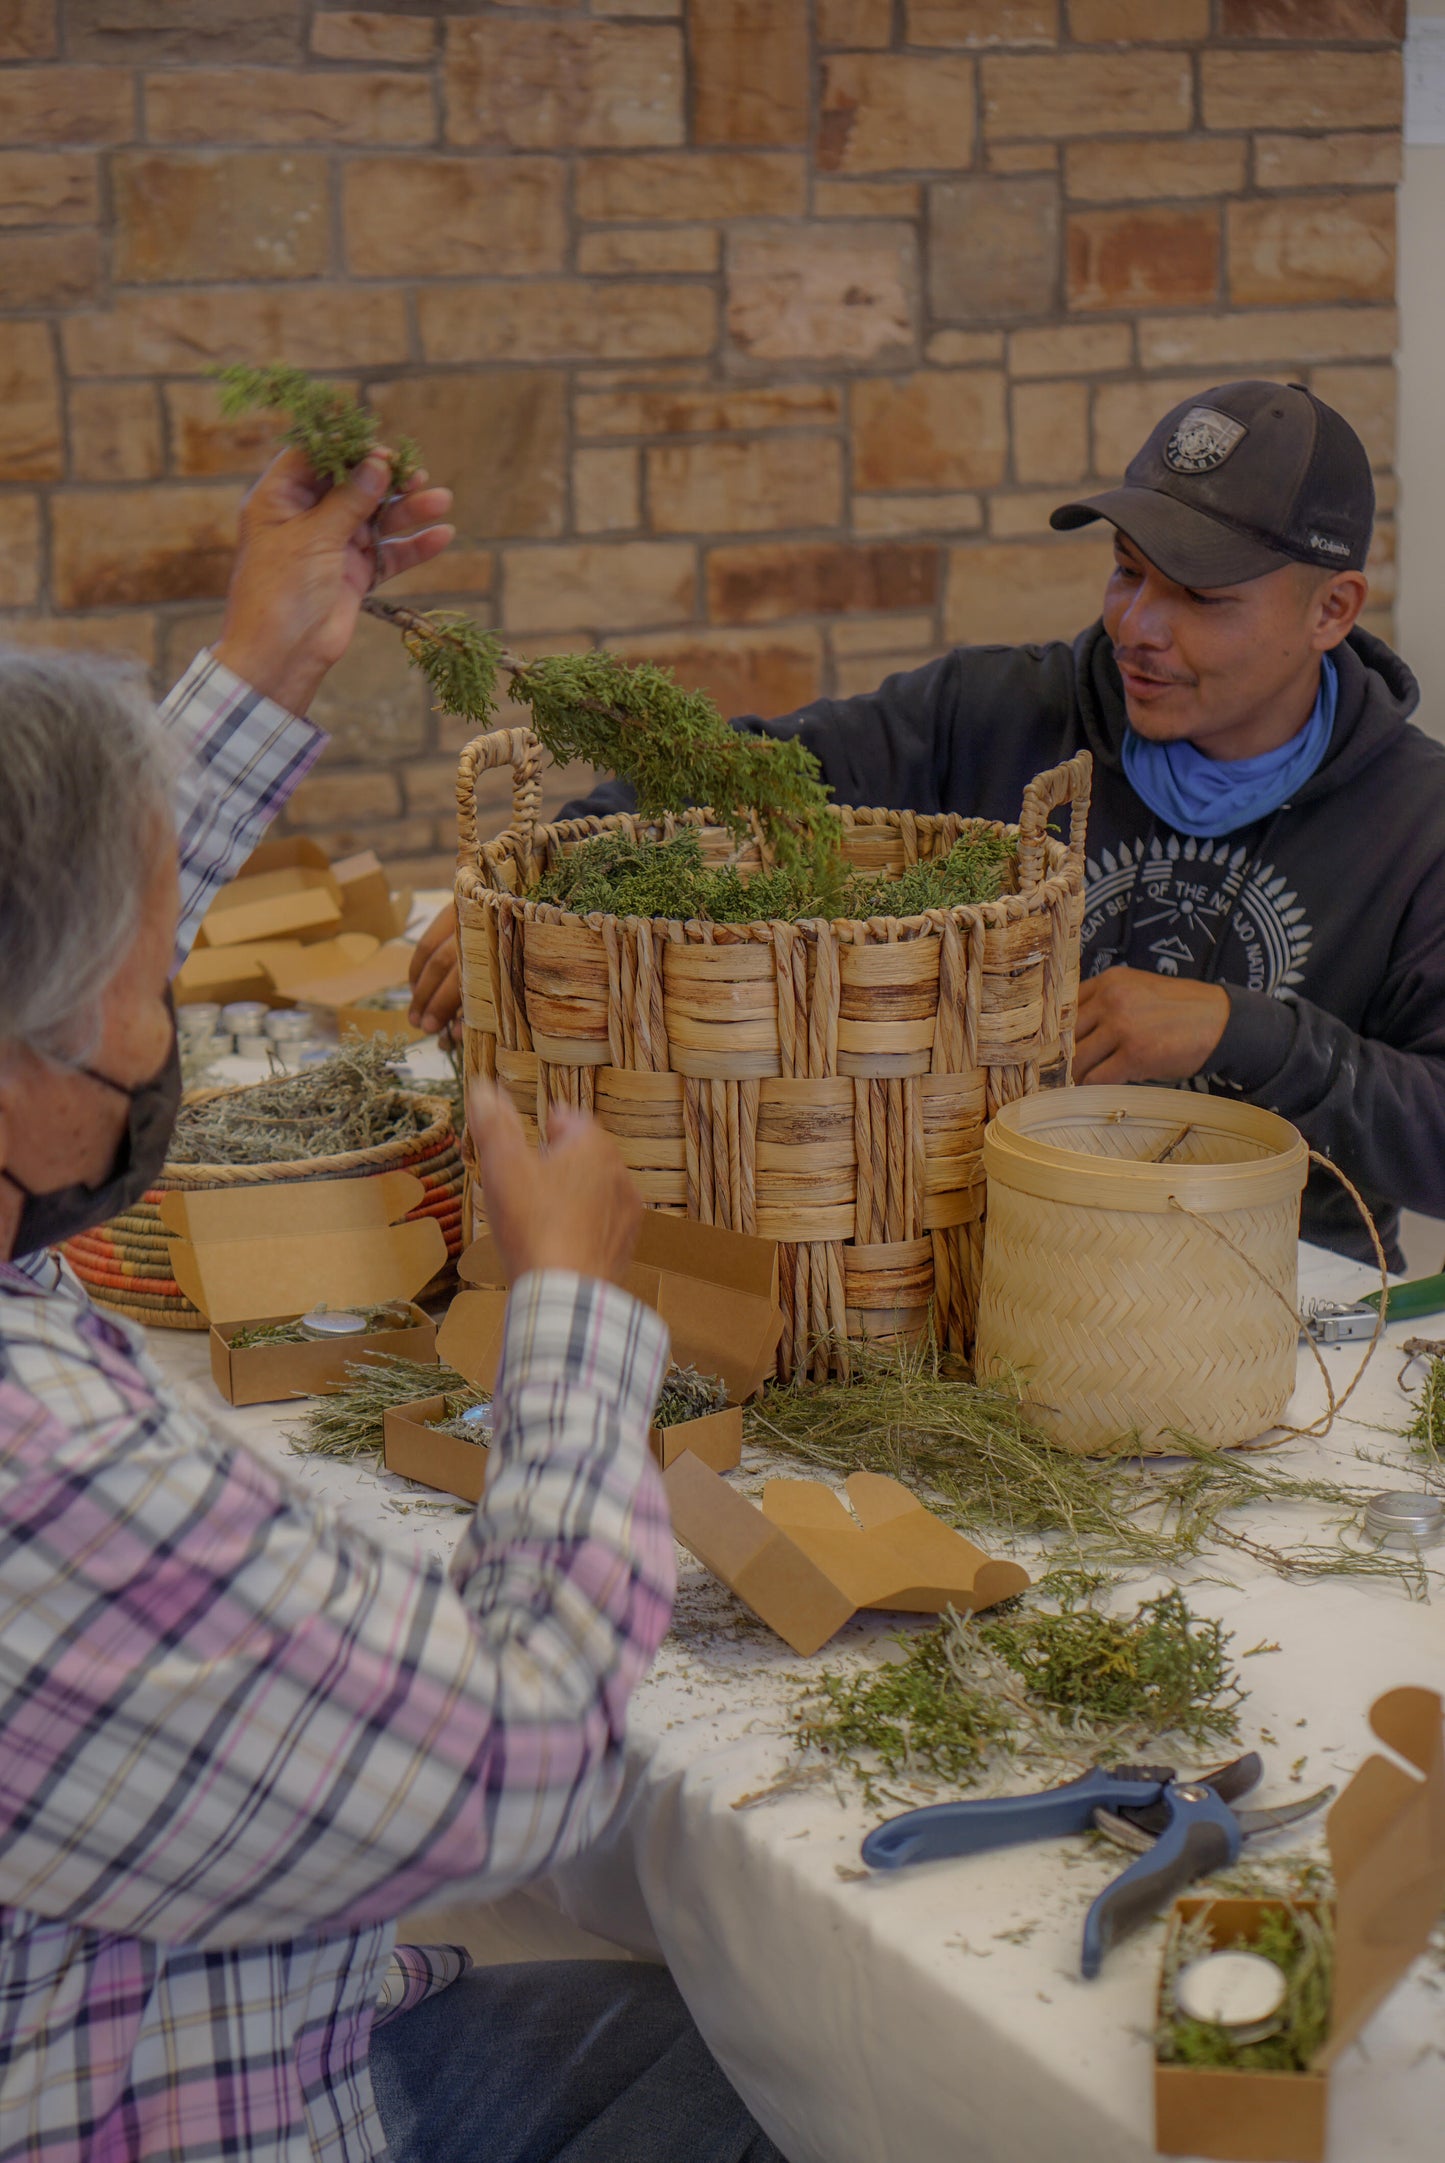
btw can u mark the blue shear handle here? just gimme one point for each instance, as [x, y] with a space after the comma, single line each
[1001, 1821]
[1201, 1836]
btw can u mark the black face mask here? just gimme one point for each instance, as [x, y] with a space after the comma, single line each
[56, 1215]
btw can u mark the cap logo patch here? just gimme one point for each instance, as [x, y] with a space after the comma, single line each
[1203, 440]
[1323, 544]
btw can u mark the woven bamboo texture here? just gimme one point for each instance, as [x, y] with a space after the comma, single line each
[824, 1084]
[1140, 1275]
[126, 1264]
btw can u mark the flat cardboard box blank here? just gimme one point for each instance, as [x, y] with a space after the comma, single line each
[375, 968]
[1386, 1836]
[805, 1563]
[413, 1446]
[299, 903]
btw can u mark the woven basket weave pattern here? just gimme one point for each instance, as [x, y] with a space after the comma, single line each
[822, 1084]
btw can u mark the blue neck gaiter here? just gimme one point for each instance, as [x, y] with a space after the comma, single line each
[1209, 797]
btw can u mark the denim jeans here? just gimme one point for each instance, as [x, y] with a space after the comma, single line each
[566, 2061]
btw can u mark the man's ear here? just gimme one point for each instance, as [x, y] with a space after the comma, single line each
[1335, 607]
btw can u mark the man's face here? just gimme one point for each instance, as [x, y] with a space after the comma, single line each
[1202, 666]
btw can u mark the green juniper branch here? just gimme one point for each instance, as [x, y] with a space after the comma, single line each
[326, 423]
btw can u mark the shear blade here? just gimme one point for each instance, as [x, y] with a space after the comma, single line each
[1254, 1823]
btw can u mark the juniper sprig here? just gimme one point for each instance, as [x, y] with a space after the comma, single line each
[326, 423]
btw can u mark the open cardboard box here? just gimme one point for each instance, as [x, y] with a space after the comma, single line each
[291, 890]
[338, 991]
[1386, 1837]
[806, 1562]
[246, 1255]
[366, 900]
[718, 1293]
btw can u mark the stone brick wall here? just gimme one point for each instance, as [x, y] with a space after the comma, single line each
[756, 336]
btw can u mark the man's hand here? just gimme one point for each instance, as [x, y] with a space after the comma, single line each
[1135, 1026]
[436, 985]
[309, 554]
[574, 1207]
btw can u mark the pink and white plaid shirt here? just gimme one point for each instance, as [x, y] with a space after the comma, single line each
[237, 1737]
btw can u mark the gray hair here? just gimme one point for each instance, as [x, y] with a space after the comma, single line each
[82, 784]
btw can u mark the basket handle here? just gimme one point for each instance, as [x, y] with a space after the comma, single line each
[519, 749]
[1067, 784]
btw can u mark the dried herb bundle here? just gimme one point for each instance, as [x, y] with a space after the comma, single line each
[351, 1101]
[1427, 1429]
[1301, 1943]
[390, 1316]
[347, 1423]
[1025, 1684]
[686, 1394]
[326, 423]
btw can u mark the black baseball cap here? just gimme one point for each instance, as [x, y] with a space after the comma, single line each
[1237, 482]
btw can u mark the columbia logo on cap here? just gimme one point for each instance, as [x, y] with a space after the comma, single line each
[1327, 546]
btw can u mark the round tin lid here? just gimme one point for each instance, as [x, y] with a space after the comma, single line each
[286, 1024]
[1242, 1992]
[197, 1017]
[333, 1322]
[1405, 1520]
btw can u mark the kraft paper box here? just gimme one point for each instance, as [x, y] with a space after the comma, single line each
[716, 1290]
[808, 1561]
[1386, 1836]
[367, 902]
[339, 991]
[298, 901]
[246, 1255]
[283, 972]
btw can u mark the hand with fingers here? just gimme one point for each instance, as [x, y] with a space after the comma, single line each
[1135, 1026]
[574, 1207]
[436, 985]
[309, 553]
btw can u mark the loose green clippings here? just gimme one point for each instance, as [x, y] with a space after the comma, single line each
[1300, 1942]
[389, 1316]
[351, 1101]
[1427, 1429]
[686, 1394]
[347, 1423]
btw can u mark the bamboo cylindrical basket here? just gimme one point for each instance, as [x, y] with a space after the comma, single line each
[824, 1084]
[1140, 1278]
[126, 1264]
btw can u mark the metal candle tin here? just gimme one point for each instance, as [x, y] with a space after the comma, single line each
[1405, 1520]
[198, 1017]
[289, 1025]
[1242, 1993]
[333, 1322]
[245, 1017]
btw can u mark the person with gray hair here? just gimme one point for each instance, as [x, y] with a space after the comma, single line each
[238, 1739]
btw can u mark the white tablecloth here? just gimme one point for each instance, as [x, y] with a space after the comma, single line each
[936, 2015]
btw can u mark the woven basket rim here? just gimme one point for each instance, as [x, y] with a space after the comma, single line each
[1065, 877]
[1050, 1170]
[380, 1156]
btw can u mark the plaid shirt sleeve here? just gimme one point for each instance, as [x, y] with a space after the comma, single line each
[229, 1718]
[237, 757]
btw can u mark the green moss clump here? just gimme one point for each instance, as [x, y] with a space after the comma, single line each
[326, 423]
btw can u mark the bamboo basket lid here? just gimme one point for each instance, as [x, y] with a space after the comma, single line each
[1150, 1149]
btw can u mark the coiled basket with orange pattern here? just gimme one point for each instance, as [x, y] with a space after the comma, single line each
[824, 1084]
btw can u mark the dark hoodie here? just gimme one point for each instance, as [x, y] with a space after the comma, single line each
[1325, 922]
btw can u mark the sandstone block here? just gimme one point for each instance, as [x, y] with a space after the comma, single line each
[1312, 248]
[1289, 335]
[859, 675]
[460, 571]
[1367, 397]
[27, 30]
[627, 251]
[1323, 161]
[1169, 166]
[180, 635]
[31, 440]
[122, 547]
[866, 198]
[1075, 93]
[503, 435]
[886, 111]
[983, 22]
[1137, 22]
[942, 428]
[183, 333]
[436, 868]
[328, 797]
[186, 215]
[606, 490]
[374, 703]
[602, 585]
[1021, 157]
[20, 547]
[749, 71]
[767, 581]
[1124, 413]
[528, 85]
[453, 217]
[762, 485]
[964, 348]
[48, 188]
[1071, 349]
[266, 105]
[880, 634]
[742, 672]
[131, 637]
[686, 411]
[133, 31]
[363, 34]
[655, 9]
[1050, 431]
[1300, 89]
[431, 787]
[692, 185]
[994, 249]
[49, 270]
[65, 105]
[115, 431]
[397, 841]
[565, 319]
[855, 24]
[1332, 20]
[1012, 592]
[943, 514]
[1022, 511]
[826, 292]
[1143, 258]
[203, 444]
[1380, 563]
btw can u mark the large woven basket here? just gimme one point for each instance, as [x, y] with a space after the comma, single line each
[126, 1264]
[822, 1084]
[1141, 1272]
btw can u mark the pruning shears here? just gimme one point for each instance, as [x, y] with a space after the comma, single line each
[1339, 1321]
[1180, 1830]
